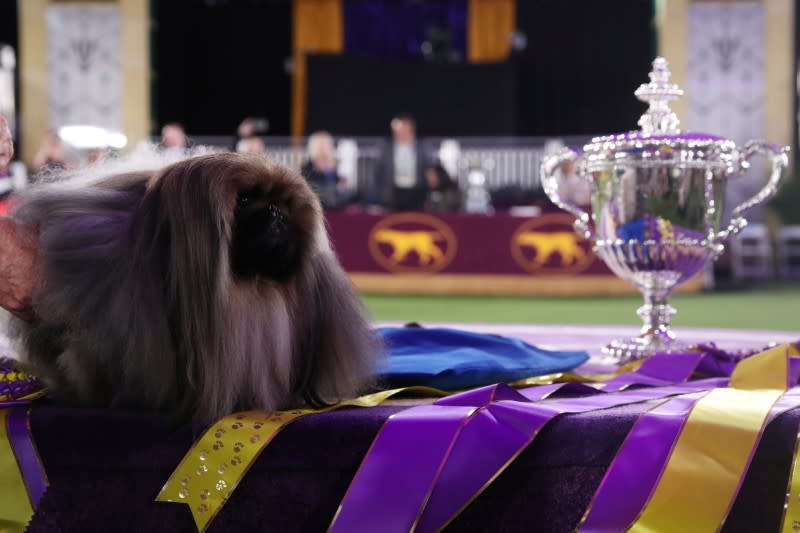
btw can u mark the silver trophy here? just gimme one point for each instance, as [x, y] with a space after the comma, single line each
[657, 202]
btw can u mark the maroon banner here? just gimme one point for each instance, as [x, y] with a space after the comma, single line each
[500, 244]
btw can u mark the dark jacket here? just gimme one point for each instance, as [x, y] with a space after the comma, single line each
[387, 194]
[324, 185]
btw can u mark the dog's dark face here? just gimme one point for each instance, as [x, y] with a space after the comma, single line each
[272, 219]
[265, 240]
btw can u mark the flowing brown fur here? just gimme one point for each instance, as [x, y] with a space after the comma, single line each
[138, 307]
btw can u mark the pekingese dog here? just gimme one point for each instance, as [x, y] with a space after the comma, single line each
[202, 288]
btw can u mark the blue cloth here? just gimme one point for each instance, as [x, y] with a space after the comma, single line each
[452, 359]
[635, 230]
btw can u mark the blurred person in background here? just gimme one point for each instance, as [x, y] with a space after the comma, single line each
[252, 145]
[52, 154]
[320, 170]
[250, 128]
[173, 140]
[401, 175]
[13, 174]
[17, 249]
[13, 177]
[443, 192]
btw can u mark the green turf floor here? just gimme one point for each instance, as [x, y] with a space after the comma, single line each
[776, 307]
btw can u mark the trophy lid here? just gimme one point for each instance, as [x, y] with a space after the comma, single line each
[660, 141]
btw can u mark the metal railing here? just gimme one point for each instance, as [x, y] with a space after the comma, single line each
[504, 161]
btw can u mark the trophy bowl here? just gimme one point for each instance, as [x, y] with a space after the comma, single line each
[657, 202]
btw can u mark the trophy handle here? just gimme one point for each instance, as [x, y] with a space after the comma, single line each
[779, 160]
[550, 185]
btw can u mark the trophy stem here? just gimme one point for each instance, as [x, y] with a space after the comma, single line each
[656, 335]
[656, 315]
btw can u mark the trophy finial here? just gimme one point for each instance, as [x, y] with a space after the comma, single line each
[659, 118]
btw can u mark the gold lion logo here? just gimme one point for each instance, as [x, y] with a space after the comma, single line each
[412, 242]
[548, 244]
[404, 243]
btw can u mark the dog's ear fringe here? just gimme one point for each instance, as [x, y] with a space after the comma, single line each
[84, 280]
[340, 352]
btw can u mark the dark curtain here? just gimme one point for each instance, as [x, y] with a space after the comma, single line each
[582, 62]
[358, 96]
[218, 61]
[397, 29]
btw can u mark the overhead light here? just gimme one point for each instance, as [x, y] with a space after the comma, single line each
[84, 137]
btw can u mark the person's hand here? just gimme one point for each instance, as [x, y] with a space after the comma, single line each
[6, 143]
[17, 268]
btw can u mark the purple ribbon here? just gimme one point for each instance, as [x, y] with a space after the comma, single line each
[27, 457]
[660, 370]
[425, 434]
[19, 434]
[447, 466]
[634, 473]
[638, 466]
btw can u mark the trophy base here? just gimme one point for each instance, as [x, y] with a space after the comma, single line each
[623, 351]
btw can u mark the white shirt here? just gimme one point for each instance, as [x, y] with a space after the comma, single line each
[405, 166]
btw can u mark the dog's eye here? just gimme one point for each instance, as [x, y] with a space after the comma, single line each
[243, 199]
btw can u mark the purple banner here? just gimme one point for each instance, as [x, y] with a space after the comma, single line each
[501, 244]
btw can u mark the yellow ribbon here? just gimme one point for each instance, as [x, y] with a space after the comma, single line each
[563, 377]
[791, 509]
[702, 476]
[215, 465]
[16, 509]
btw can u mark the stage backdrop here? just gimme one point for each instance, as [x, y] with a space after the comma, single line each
[358, 95]
[412, 252]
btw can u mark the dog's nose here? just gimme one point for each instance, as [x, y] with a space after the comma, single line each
[276, 220]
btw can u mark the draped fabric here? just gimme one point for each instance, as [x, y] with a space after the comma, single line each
[396, 30]
[490, 24]
[318, 28]
[451, 359]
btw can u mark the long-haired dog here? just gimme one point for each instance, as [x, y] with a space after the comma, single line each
[197, 289]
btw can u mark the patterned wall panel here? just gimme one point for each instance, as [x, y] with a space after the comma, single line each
[84, 65]
[726, 80]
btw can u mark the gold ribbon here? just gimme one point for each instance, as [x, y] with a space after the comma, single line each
[564, 377]
[16, 509]
[791, 509]
[214, 466]
[702, 476]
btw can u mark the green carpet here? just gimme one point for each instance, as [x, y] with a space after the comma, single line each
[776, 307]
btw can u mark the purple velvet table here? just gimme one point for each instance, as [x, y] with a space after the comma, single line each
[105, 469]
